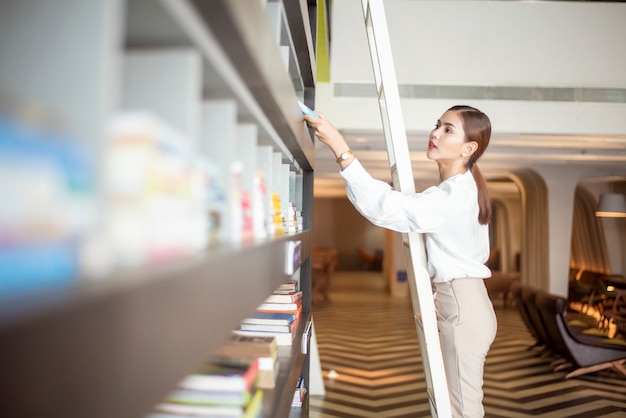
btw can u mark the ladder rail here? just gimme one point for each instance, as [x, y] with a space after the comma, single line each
[402, 175]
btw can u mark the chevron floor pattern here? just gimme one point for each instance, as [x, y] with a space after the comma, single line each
[371, 364]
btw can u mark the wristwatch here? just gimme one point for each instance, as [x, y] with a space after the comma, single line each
[344, 156]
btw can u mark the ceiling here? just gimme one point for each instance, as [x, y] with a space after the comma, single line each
[603, 154]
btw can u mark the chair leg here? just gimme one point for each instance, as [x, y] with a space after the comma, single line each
[563, 366]
[591, 369]
[619, 366]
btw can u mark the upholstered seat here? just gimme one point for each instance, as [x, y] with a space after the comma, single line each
[586, 354]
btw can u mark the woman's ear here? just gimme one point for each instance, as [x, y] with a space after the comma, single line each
[469, 148]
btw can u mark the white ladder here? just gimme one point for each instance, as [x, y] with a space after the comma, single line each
[402, 175]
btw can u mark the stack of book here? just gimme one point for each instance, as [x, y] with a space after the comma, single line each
[215, 391]
[243, 349]
[277, 316]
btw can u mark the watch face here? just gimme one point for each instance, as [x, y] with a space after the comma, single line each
[344, 156]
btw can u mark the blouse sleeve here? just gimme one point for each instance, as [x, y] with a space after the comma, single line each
[387, 208]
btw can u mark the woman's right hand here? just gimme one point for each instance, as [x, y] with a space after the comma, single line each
[327, 133]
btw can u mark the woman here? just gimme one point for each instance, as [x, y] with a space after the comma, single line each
[454, 216]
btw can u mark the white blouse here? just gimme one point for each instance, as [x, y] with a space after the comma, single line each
[447, 214]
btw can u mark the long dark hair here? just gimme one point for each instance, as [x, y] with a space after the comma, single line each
[477, 127]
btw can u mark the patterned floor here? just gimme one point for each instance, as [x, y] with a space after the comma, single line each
[371, 363]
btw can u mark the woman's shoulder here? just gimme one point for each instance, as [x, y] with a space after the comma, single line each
[460, 184]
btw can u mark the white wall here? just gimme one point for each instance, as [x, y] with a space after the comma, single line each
[486, 43]
[508, 43]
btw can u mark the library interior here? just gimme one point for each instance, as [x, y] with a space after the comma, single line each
[176, 241]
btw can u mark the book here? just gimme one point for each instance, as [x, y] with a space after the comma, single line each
[280, 307]
[306, 336]
[267, 376]
[299, 394]
[282, 338]
[282, 292]
[284, 297]
[208, 397]
[268, 367]
[307, 110]
[270, 318]
[243, 350]
[267, 327]
[170, 409]
[247, 346]
[218, 377]
[291, 286]
[272, 309]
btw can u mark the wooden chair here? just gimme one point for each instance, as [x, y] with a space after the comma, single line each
[370, 260]
[324, 262]
[588, 279]
[500, 283]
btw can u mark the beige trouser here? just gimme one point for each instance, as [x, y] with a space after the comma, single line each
[467, 327]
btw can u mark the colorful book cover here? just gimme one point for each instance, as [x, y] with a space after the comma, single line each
[222, 378]
[251, 410]
[248, 346]
[268, 368]
[270, 318]
[291, 286]
[290, 297]
[206, 397]
[280, 307]
[282, 338]
[267, 327]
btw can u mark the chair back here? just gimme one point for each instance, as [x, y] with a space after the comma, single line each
[529, 295]
[551, 308]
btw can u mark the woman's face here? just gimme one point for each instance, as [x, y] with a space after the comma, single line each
[447, 139]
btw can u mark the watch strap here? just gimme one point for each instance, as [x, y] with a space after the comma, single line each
[344, 156]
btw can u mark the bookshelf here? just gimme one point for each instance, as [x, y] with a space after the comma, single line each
[226, 75]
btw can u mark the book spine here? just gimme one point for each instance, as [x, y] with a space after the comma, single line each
[280, 307]
[263, 327]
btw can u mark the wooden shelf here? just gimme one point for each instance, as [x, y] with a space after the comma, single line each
[121, 344]
[277, 402]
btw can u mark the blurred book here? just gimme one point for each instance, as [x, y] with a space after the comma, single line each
[230, 355]
[270, 318]
[247, 346]
[218, 377]
[299, 394]
[169, 409]
[295, 307]
[207, 397]
[290, 286]
[267, 327]
[282, 338]
[48, 207]
[284, 297]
